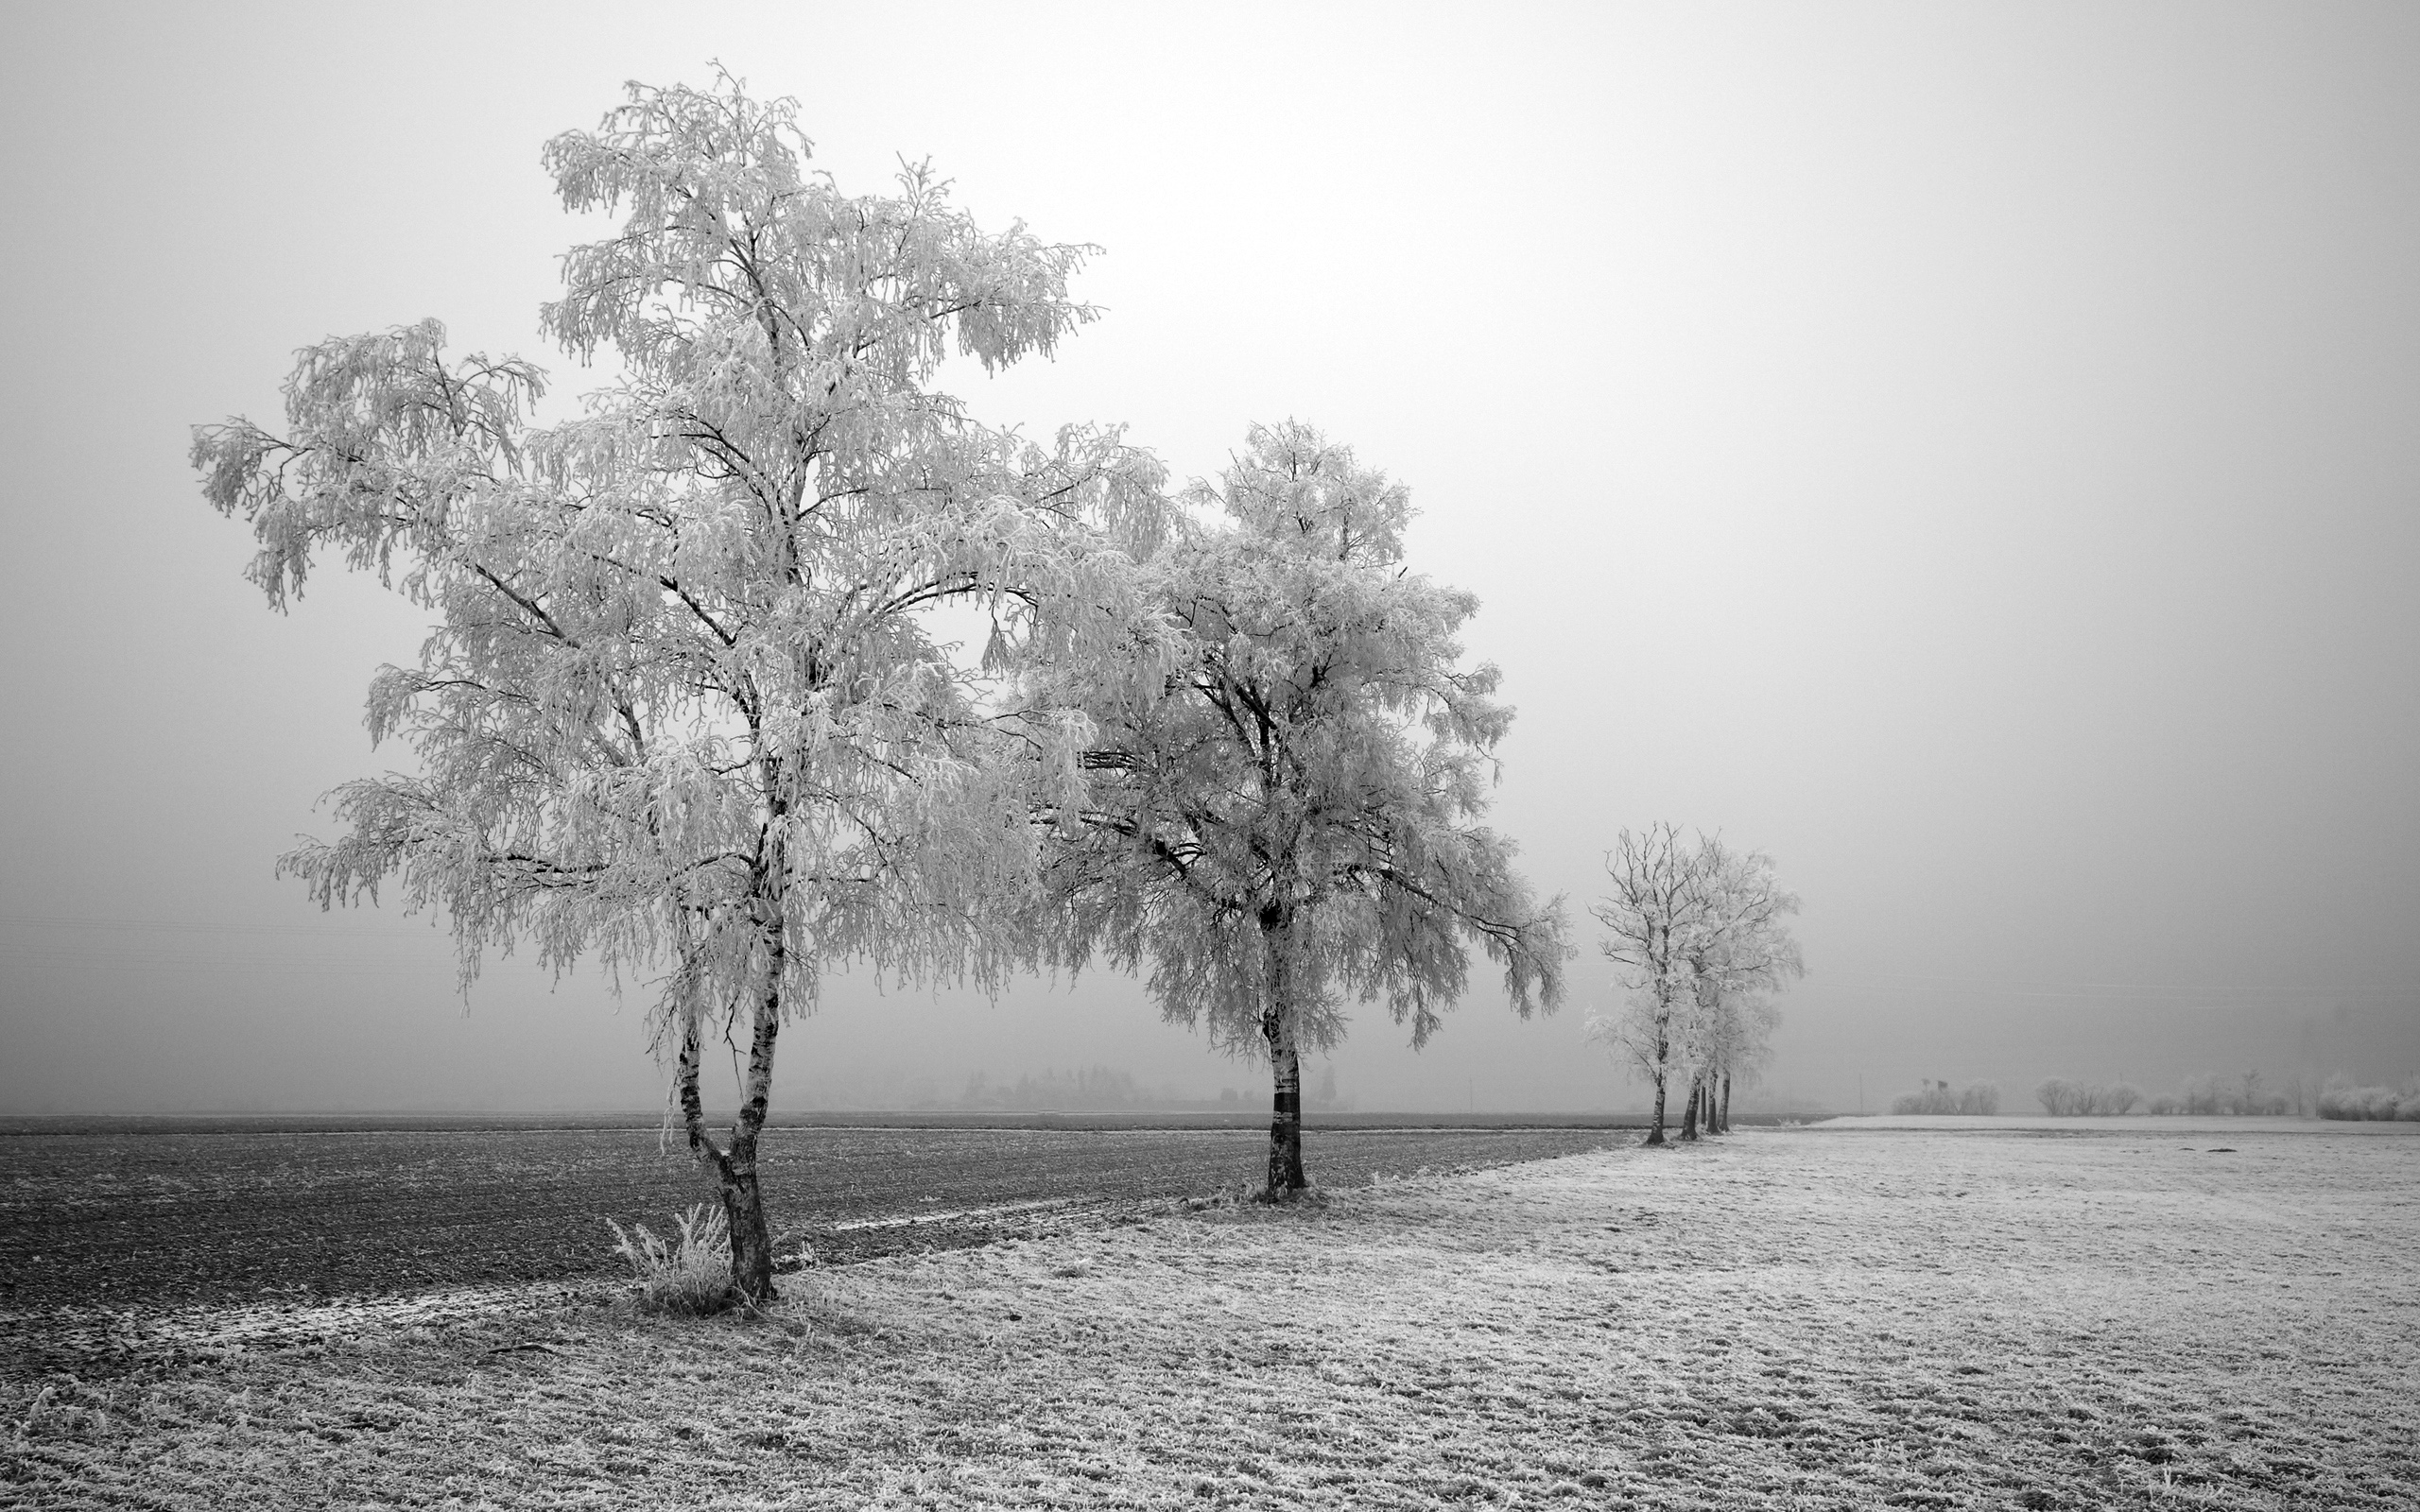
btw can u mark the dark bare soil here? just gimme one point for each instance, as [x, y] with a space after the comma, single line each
[163, 1215]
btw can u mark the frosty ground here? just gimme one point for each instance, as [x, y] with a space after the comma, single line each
[2152, 1315]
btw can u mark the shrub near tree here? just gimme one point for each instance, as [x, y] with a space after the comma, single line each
[1285, 817]
[683, 709]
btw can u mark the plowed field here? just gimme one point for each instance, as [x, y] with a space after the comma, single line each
[160, 1217]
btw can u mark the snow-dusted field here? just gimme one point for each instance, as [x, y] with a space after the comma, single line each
[2150, 1125]
[1814, 1318]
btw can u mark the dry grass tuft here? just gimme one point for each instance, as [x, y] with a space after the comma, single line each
[1308, 1198]
[687, 1275]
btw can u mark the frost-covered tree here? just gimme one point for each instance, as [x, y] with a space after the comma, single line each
[1739, 1047]
[1737, 949]
[1286, 817]
[1652, 916]
[684, 710]
[1697, 931]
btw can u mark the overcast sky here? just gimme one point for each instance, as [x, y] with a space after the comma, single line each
[1971, 453]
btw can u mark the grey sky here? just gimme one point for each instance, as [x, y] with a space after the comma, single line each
[1971, 453]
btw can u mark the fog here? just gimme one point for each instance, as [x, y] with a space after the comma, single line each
[1972, 453]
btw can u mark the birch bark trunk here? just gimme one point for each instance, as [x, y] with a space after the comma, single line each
[751, 1240]
[1663, 1048]
[734, 1166]
[1286, 1175]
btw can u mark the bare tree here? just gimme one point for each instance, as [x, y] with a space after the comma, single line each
[683, 707]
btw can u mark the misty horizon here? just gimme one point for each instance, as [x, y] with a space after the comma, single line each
[1973, 464]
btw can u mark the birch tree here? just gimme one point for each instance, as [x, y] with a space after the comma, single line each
[684, 710]
[1739, 1046]
[1287, 819]
[1652, 916]
[1696, 931]
[1739, 948]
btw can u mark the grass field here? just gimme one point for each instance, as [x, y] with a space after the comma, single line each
[2152, 1317]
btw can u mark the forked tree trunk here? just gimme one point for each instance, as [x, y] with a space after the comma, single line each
[751, 1242]
[1285, 1065]
[734, 1165]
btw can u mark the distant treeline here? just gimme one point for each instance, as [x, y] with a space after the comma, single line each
[1102, 1089]
[1940, 1097]
[2073, 1099]
[2233, 1096]
[2341, 1099]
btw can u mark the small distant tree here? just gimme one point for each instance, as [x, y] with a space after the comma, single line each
[1699, 932]
[2070, 1099]
[683, 708]
[2302, 1095]
[1975, 1099]
[2201, 1094]
[1933, 1097]
[2060, 1097]
[1285, 815]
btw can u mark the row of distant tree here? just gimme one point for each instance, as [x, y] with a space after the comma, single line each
[2342, 1099]
[2247, 1095]
[1103, 1089]
[1939, 1097]
[1698, 932]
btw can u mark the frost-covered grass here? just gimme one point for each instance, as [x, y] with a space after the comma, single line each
[685, 1273]
[1812, 1318]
